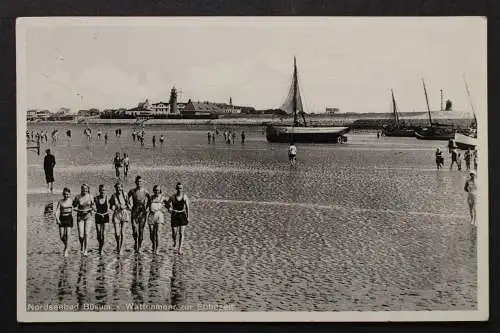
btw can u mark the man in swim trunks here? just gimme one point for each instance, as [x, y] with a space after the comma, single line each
[178, 206]
[162, 138]
[101, 215]
[139, 198]
[117, 163]
[471, 189]
[85, 206]
[157, 203]
[292, 153]
[48, 166]
[126, 164]
[64, 218]
[120, 206]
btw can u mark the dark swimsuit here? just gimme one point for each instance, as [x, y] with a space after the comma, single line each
[179, 217]
[102, 215]
[66, 217]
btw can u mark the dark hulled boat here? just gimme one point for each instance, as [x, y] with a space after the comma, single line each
[301, 132]
[397, 128]
[434, 131]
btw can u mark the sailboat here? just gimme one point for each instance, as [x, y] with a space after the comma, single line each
[397, 128]
[468, 139]
[434, 131]
[300, 132]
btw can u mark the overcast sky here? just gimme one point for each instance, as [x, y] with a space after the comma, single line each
[349, 63]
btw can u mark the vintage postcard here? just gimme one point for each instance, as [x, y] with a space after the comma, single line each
[252, 169]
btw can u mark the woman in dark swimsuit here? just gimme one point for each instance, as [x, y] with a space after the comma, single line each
[64, 218]
[101, 215]
[178, 206]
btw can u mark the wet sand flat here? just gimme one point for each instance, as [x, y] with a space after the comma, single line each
[370, 225]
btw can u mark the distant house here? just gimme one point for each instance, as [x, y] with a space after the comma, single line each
[201, 108]
[160, 108]
[31, 115]
[43, 114]
[332, 111]
[88, 113]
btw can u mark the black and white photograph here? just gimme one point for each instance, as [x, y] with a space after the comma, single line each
[252, 169]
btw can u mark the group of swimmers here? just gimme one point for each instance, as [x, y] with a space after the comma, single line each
[229, 136]
[137, 207]
[470, 155]
[121, 162]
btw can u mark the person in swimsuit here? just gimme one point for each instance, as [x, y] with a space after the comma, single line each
[156, 217]
[162, 138]
[120, 206]
[49, 163]
[292, 153]
[467, 157]
[178, 206]
[454, 155]
[439, 159]
[126, 164]
[243, 136]
[101, 215]
[139, 198]
[117, 163]
[84, 203]
[99, 132]
[64, 217]
[106, 138]
[471, 189]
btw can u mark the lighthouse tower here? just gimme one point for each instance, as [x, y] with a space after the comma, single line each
[173, 101]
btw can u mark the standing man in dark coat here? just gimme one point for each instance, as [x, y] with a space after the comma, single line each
[48, 166]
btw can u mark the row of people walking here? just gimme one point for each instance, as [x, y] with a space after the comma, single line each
[470, 156]
[138, 207]
[229, 137]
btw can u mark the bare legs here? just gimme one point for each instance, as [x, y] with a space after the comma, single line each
[83, 232]
[472, 210]
[178, 235]
[153, 235]
[64, 235]
[100, 228]
[118, 225]
[138, 223]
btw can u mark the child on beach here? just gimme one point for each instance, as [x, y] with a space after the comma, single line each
[64, 217]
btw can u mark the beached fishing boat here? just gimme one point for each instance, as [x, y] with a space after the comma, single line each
[434, 131]
[397, 128]
[468, 139]
[300, 132]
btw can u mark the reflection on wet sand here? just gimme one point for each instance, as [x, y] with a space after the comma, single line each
[117, 278]
[177, 287]
[81, 284]
[100, 288]
[137, 286]
[154, 287]
[63, 286]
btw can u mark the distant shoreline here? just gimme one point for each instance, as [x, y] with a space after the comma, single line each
[372, 123]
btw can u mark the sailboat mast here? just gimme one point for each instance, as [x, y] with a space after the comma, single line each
[394, 108]
[470, 100]
[294, 101]
[427, 101]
